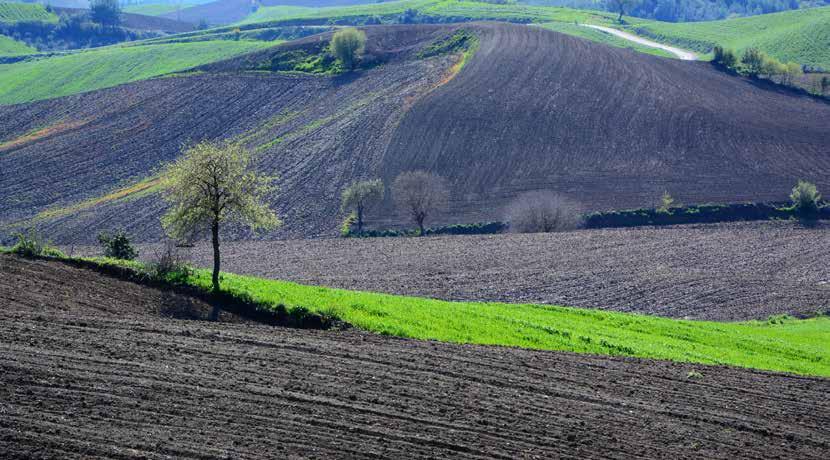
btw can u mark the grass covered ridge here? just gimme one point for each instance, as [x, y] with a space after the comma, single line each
[16, 12]
[800, 346]
[11, 47]
[801, 36]
[109, 66]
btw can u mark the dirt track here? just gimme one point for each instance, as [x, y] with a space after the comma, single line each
[680, 53]
[88, 369]
[721, 272]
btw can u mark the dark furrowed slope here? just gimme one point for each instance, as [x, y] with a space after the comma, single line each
[608, 127]
[79, 381]
[317, 133]
[727, 272]
[531, 109]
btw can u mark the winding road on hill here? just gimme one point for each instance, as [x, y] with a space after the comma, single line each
[680, 53]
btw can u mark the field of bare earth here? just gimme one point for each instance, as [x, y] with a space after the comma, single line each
[90, 366]
[727, 272]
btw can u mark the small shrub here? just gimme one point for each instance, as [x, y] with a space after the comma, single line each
[543, 212]
[806, 199]
[347, 46]
[753, 60]
[725, 57]
[117, 245]
[31, 244]
[169, 263]
[666, 203]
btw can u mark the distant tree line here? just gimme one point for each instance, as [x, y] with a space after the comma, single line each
[686, 10]
[757, 64]
[100, 26]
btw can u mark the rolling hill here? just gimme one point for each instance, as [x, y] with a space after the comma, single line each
[802, 36]
[88, 70]
[608, 127]
[230, 11]
[16, 12]
[11, 47]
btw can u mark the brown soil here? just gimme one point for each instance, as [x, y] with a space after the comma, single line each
[88, 369]
[530, 110]
[720, 272]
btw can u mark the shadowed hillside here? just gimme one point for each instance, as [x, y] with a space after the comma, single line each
[531, 109]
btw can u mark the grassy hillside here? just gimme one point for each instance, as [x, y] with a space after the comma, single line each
[11, 47]
[15, 12]
[158, 9]
[802, 36]
[271, 13]
[104, 67]
[449, 9]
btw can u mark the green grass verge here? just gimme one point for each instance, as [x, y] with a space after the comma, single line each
[783, 344]
[801, 36]
[604, 38]
[11, 47]
[110, 66]
[800, 346]
[16, 12]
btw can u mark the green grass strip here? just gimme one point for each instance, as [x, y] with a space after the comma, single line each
[799, 346]
[784, 344]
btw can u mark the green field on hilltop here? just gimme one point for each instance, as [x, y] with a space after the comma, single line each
[802, 36]
[154, 9]
[273, 13]
[16, 12]
[110, 66]
[799, 346]
[11, 47]
[446, 9]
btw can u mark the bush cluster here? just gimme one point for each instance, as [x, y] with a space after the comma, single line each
[117, 245]
[32, 245]
[755, 63]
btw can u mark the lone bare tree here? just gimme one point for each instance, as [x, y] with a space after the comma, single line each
[361, 197]
[543, 212]
[213, 184]
[420, 194]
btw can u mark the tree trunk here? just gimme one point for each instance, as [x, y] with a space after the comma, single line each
[619, 19]
[421, 227]
[214, 316]
[359, 219]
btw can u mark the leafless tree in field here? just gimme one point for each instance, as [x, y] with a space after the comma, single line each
[543, 211]
[420, 194]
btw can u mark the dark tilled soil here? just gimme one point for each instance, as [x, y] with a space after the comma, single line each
[83, 373]
[719, 272]
[531, 110]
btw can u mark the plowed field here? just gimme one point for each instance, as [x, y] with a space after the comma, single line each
[718, 272]
[86, 372]
[531, 109]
